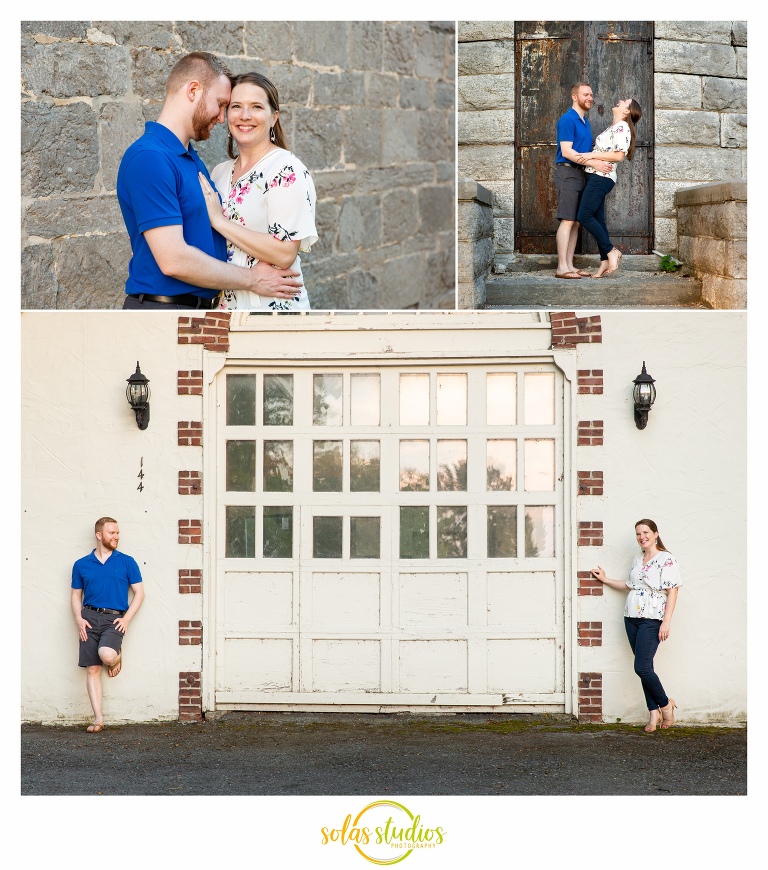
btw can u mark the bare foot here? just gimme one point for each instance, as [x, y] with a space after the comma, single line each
[602, 270]
[668, 714]
[614, 257]
[114, 669]
[655, 719]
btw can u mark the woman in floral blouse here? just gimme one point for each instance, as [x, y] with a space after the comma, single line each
[611, 145]
[653, 583]
[268, 194]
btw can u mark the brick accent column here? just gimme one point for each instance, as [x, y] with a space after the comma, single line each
[190, 434]
[590, 697]
[190, 532]
[590, 482]
[590, 433]
[590, 633]
[211, 330]
[190, 696]
[590, 534]
[190, 483]
[588, 585]
[191, 580]
[568, 330]
[190, 383]
[190, 632]
[590, 381]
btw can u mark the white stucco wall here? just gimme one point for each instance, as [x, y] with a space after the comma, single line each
[81, 454]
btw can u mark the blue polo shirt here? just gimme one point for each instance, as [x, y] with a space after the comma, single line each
[105, 585]
[157, 186]
[573, 128]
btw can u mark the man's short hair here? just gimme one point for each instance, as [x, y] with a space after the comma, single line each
[198, 66]
[578, 85]
[101, 522]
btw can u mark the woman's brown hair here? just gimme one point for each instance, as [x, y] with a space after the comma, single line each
[635, 114]
[254, 78]
[654, 528]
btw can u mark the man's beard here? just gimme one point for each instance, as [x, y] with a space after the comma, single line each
[201, 123]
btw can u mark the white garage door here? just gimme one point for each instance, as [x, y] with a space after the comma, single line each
[390, 536]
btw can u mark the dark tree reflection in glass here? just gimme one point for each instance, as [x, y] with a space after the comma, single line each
[364, 537]
[414, 466]
[501, 465]
[326, 402]
[327, 466]
[278, 400]
[451, 532]
[278, 466]
[414, 532]
[364, 466]
[240, 534]
[502, 531]
[278, 532]
[241, 466]
[326, 537]
[452, 465]
[241, 400]
[540, 531]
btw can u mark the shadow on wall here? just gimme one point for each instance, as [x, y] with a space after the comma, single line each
[368, 107]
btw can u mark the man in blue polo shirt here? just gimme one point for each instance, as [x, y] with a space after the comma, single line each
[178, 260]
[100, 583]
[574, 137]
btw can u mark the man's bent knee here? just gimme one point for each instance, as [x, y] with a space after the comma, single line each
[108, 655]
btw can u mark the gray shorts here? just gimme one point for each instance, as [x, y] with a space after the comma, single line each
[101, 633]
[569, 183]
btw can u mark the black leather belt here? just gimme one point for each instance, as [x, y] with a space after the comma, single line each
[188, 299]
[105, 610]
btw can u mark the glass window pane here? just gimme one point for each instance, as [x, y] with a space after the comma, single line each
[451, 400]
[278, 466]
[539, 399]
[278, 532]
[326, 403]
[501, 399]
[326, 537]
[240, 534]
[502, 531]
[365, 400]
[539, 463]
[326, 466]
[241, 466]
[241, 400]
[452, 465]
[451, 533]
[364, 537]
[501, 465]
[364, 466]
[414, 466]
[540, 531]
[278, 400]
[414, 400]
[414, 532]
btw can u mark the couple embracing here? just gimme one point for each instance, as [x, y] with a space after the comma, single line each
[584, 176]
[228, 239]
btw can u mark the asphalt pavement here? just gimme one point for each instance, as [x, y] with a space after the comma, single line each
[364, 754]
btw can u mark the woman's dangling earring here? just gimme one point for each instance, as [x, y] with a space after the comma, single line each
[271, 134]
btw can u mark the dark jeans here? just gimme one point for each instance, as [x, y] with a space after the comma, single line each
[591, 212]
[643, 637]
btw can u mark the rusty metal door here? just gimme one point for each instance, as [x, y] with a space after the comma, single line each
[616, 58]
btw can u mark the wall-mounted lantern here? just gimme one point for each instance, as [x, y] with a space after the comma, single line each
[137, 393]
[644, 395]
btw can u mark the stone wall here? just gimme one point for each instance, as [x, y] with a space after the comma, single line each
[701, 122]
[368, 106]
[712, 240]
[475, 243]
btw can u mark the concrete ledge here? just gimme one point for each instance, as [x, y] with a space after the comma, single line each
[716, 191]
[469, 189]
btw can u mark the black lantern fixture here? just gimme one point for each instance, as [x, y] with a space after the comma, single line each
[137, 393]
[644, 395]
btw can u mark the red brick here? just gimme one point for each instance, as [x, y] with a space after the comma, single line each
[211, 330]
[190, 580]
[190, 483]
[190, 532]
[190, 696]
[190, 434]
[569, 330]
[189, 383]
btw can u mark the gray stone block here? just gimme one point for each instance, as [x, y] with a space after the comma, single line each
[339, 89]
[695, 58]
[381, 179]
[381, 90]
[674, 127]
[664, 205]
[491, 127]
[363, 137]
[401, 136]
[335, 183]
[330, 295]
[152, 34]
[269, 41]
[475, 221]
[327, 221]
[436, 210]
[695, 31]
[327, 269]
[69, 70]
[665, 235]
[430, 54]
[476, 31]
[293, 84]
[403, 281]
[213, 150]
[503, 198]
[475, 258]
[92, 271]
[728, 95]
[739, 33]
[59, 149]
[325, 43]
[736, 258]
[468, 190]
[446, 170]
[56, 29]
[487, 162]
[486, 92]
[415, 94]
[697, 164]
[366, 45]
[719, 220]
[440, 288]
[398, 54]
[435, 136]
[226, 37]
[445, 96]
[733, 131]
[399, 215]
[39, 287]
[741, 63]
[49, 218]
[359, 223]
[504, 235]
[364, 291]
[319, 137]
[724, 293]
[120, 124]
[489, 58]
[149, 72]
[677, 91]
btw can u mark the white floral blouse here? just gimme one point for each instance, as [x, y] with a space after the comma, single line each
[275, 196]
[616, 138]
[648, 585]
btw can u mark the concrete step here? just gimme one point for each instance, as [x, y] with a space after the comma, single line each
[507, 264]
